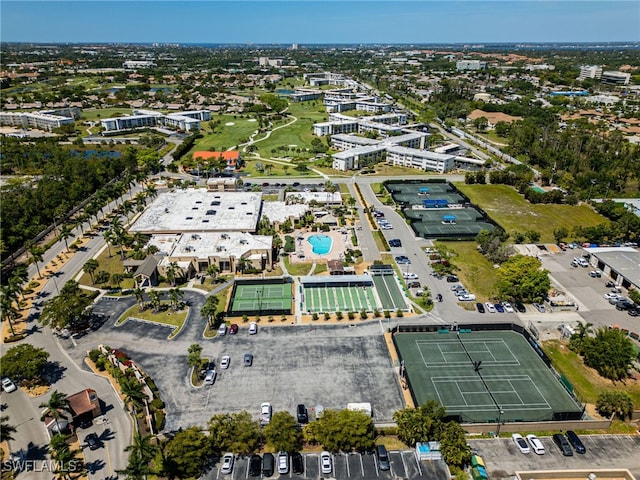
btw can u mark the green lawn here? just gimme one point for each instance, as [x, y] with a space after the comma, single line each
[586, 381]
[297, 269]
[513, 213]
[102, 113]
[226, 136]
[474, 270]
[167, 317]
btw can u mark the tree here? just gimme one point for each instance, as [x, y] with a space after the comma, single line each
[577, 340]
[24, 362]
[560, 233]
[67, 310]
[419, 424]
[90, 267]
[116, 279]
[155, 297]
[65, 233]
[139, 294]
[480, 123]
[235, 432]
[610, 352]
[453, 444]
[616, 402]
[6, 429]
[208, 310]
[186, 453]
[172, 272]
[7, 308]
[102, 277]
[193, 358]
[213, 270]
[57, 407]
[133, 392]
[66, 458]
[36, 255]
[141, 452]
[522, 278]
[282, 433]
[342, 430]
[175, 294]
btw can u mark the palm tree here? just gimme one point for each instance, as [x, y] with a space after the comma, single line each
[36, 255]
[208, 310]
[18, 277]
[584, 329]
[139, 294]
[56, 407]
[172, 270]
[9, 312]
[213, 270]
[90, 267]
[65, 232]
[175, 294]
[6, 429]
[133, 392]
[155, 298]
[242, 264]
[151, 191]
[109, 237]
[141, 452]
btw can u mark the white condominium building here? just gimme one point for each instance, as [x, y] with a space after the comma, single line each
[590, 71]
[187, 121]
[47, 120]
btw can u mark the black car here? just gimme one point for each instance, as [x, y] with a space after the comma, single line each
[480, 307]
[625, 305]
[301, 412]
[562, 444]
[395, 242]
[267, 464]
[452, 279]
[85, 422]
[575, 442]
[92, 441]
[634, 312]
[520, 307]
[297, 463]
[255, 465]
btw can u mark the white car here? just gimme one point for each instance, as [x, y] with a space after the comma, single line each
[536, 444]
[224, 362]
[7, 385]
[283, 463]
[467, 297]
[227, 463]
[490, 307]
[265, 413]
[222, 329]
[253, 328]
[210, 377]
[610, 296]
[507, 307]
[521, 443]
[409, 275]
[326, 464]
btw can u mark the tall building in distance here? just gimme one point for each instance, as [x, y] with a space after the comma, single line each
[590, 71]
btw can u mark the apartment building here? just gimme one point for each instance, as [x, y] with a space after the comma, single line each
[421, 159]
[47, 120]
[590, 71]
[136, 64]
[615, 78]
[462, 65]
[187, 121]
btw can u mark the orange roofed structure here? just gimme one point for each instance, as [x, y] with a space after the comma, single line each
[231, 156]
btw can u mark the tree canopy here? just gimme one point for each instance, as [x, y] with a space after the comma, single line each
[186, 453]
[234, 432]
[522, 278]
[24, 362]
[616, 402]
[610, 352]
[282, 433]
[343, 430]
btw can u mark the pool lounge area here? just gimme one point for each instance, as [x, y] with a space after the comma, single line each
[320, 244]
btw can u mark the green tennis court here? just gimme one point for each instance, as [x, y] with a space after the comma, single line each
[259, 297]
[511, 377]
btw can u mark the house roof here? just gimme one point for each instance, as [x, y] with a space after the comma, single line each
[148, 266]
[228, 155]
[81, 402]
[493, 117]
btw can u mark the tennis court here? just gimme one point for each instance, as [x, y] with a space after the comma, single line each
[451, 229]
[260, 297]
[483, 376]
[436, 216]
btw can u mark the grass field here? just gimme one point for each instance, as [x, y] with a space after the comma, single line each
[586, 381]
[474, 270]
[167, 317]
[226, 136]
[513, 213]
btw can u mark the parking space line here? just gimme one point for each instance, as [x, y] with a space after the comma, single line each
[347, 461]
[415, 457]
[361, 465]
[404, 465]
[375, 463]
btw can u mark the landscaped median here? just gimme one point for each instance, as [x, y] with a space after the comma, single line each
[161, 316]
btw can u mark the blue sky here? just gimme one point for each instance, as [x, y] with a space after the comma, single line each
[400, 21]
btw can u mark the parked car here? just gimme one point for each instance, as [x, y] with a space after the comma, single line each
[255, 465]
[210, 377]
[562, 444]
[539, 307]
[507, 307]
[297, 463]
[499, 308]
[480, 307]
[92, 441]
[402, 260]
[536, 444]
[409, 275]
[490, 307]
[466, 297]
[265, 413]
[8, 386]
[224, 362]
[634, 312]
[575, 442]
[222, 329]
[521, 443]
[611, 295]
[452, 279]
[414, 284]
[268, 462]
[595, 274]
[233, 329]
[625, 305]
[283, 463]
[248, 359]
[253, 328]
[227, 463]
[326, 463]
[520, 307]
[395, 242]
[301, 414]
[383, 457]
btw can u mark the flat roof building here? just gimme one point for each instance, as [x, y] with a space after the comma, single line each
[422, 159]
[622, 264]
[47, 120]
[187, 121]
[324, 198]
[199, 210]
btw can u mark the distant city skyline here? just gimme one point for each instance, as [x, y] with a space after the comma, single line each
[311, 22]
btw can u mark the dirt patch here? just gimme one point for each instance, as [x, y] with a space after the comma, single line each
[36, 391]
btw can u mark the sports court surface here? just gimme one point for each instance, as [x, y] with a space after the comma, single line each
[512, 377]
[352, 293]
[257, 297]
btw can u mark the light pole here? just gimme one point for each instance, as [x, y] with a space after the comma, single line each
[593, 182]
[500, 413]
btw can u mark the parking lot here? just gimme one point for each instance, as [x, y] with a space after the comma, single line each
[328, 365]
[349, 466]
[503, 459]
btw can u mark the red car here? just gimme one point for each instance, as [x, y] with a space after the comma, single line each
[233, 329]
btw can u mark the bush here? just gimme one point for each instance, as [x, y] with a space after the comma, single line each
[351, 315]
[101, 363]
[157, 404]
[339, 315]
[159, 420]
[363, 315]
[327, 316]
[314, 316]
[94, 355]
[399, 313]
[14, 338]
[618, 402]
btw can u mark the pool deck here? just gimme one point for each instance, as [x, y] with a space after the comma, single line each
[340, 243]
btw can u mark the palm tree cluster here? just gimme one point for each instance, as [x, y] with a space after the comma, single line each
[10, 296]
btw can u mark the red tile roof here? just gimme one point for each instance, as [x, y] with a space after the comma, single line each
[228, 155]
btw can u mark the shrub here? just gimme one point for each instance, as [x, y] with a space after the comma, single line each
[363, 315]
[94, 355]
[14, 338]
[339, 315]
[157, 404]
[101, 363]
[33, 284]
[351, 315]
[314, 316]
[327, 316]
[245, 318]
[618, 402]
[159, 419]
[399, 313]
[376, 313]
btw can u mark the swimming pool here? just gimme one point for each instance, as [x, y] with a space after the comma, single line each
[320, 244]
